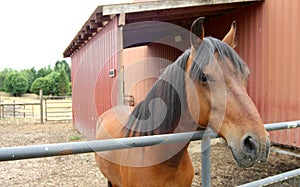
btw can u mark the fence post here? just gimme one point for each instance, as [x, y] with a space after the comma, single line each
[46, 112]
[24, 109]
[3, 111]
[0, 110]
[41, 106]
[32, 108]
[205, 160]
[14, 109]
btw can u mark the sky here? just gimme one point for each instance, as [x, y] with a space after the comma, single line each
[35, 33]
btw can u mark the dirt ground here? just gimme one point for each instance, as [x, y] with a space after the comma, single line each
[81, 170]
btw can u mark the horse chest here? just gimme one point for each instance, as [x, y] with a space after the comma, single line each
[169, 173]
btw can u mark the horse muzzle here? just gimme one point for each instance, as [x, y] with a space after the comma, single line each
[251, 151]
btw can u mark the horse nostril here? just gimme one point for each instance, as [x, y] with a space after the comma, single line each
[250, 145]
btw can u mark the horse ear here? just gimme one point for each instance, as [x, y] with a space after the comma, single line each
[230, 36]
[197, 32]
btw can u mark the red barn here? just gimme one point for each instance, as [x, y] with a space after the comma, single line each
[117, 37]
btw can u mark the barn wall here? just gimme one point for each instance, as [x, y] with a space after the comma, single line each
[135, 79]
[267, 40]
[281, 44]
[143, 65]
[269, 43]
[92, 86]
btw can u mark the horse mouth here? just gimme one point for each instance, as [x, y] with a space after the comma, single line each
[244, 159]
[241, 160]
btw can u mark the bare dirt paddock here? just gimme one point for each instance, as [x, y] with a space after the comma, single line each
[81, 170]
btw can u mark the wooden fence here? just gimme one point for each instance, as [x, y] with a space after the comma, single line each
[18, 110]
[46, 108]
[58, 108]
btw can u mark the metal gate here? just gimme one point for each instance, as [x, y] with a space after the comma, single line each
[37, 151]
[58, 108]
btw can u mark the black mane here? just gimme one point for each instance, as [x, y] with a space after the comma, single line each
[205, 54]
[160, 111]
[165, 104]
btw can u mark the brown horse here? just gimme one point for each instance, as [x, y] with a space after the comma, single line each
[205, 86]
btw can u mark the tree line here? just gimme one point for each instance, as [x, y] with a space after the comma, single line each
[54, 81]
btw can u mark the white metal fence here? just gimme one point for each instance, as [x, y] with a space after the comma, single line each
[47, 150]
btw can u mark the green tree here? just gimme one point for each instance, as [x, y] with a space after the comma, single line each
[70, 89]
[43, 72]
[44, 83]
[16, 84]
[63, 84]
[63, 65]
[3, 75]
[56, 83]
[54, 77]
[30, 74]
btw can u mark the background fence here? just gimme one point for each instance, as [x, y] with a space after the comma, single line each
[58, 108]
[18, 110]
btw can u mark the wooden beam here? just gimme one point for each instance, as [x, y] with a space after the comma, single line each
[88, 31]
[93, 25]
[173, 11]
[101, 18]
[98, 17]
[121, 20]
[183, 11]
[161, 5]
[82, 34]
[177, 15]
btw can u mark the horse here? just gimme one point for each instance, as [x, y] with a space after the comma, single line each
[205, 87]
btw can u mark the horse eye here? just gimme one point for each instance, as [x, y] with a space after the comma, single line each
[203, 78]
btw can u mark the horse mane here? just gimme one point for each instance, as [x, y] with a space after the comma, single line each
[205, 54]
[160, 111]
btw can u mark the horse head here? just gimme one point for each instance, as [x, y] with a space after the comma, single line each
[217, 96]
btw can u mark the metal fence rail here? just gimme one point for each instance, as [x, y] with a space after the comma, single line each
[283, 179]
[47, 150]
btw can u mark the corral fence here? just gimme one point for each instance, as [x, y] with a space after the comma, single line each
[54, 108]
[290, 178]
[18, 110]
[47, 150]
[58, 108]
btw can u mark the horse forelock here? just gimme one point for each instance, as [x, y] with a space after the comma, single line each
[205, 54]
[160, 111]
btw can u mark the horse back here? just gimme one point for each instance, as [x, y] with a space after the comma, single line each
[110, 124]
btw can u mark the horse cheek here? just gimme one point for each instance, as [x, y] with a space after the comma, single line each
[205, 107]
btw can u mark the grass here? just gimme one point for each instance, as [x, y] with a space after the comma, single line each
[74, 138]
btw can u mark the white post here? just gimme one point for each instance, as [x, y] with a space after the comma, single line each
[41, 106]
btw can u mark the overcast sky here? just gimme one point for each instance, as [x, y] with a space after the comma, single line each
[34, 33]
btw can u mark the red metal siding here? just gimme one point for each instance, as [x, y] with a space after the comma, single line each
[280, 49]
[267, 40]
[135, 77]
[269, 43]
[92, 86]
[143, 65]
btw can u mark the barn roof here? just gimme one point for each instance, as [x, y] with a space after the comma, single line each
[179, 12]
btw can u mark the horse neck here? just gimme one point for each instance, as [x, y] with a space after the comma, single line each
[164, 110]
